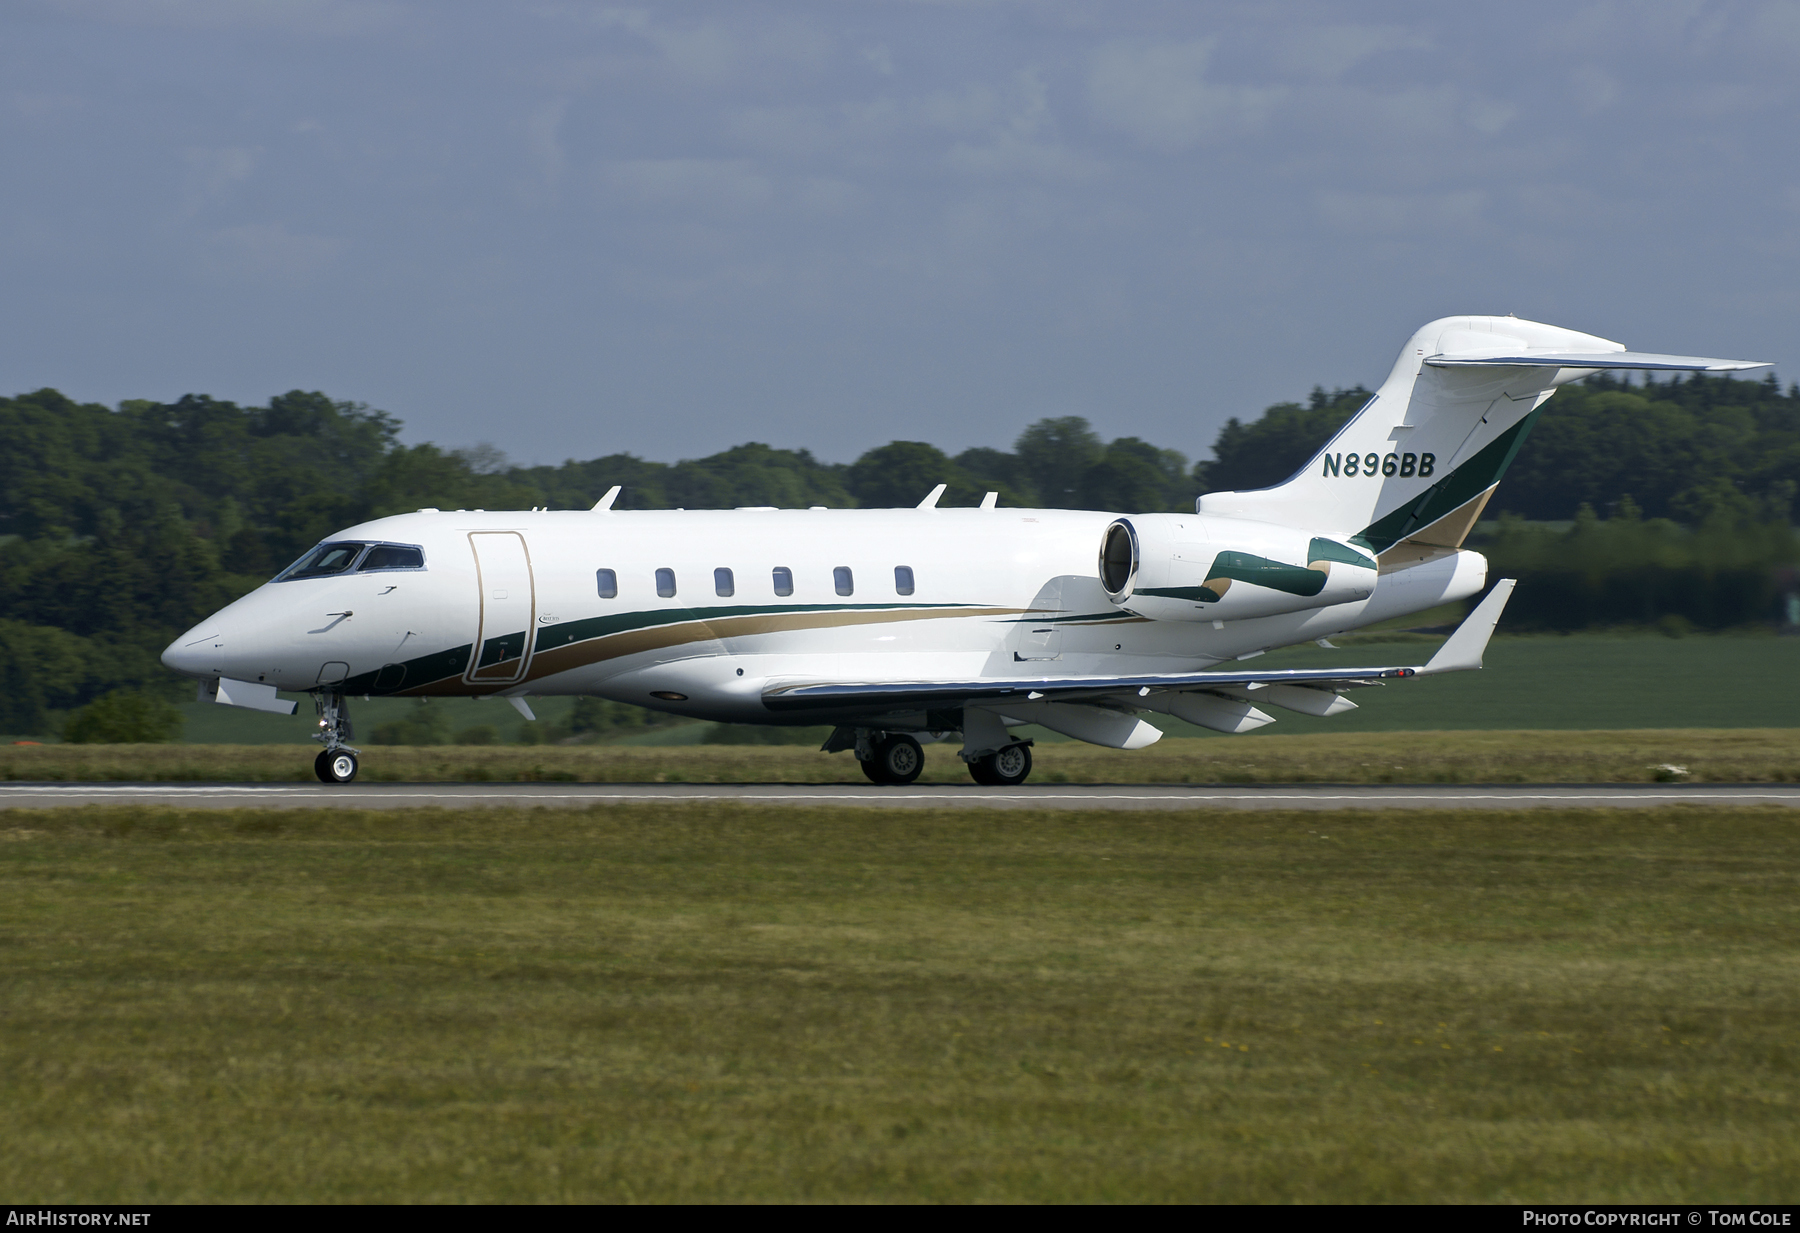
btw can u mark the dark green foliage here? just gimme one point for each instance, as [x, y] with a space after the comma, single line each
[427, 725]
[998, 471]
[1057, 454]
[1062, 464]
[599, 719]
[1668, 444]
[1133, 476]
[480, 734]
[43, 668]
[1631, 571]
[903, 473]
[750, 474]
[124, 717]
[1259, 454]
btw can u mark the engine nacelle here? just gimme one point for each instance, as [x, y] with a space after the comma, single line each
[1181, 567]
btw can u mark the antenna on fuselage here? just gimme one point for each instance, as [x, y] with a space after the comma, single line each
[930, 502]
[987, 501]
[605, 502]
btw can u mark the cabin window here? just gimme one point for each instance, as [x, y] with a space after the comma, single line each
[322, 562]
[845, 583]
[665, 583]
[784, 580]
[903, 582]
[608, 582]
[722, 584]
[393, 556]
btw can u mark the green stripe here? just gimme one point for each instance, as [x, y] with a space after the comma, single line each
[421, 671]
[1117, 614]
[440, 665]
[551, 637]
[1456, 489]
[1247, 567]
[1330, 550]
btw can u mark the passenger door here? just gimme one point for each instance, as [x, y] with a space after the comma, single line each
[508, 607]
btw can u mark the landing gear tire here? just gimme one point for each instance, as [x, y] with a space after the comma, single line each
[335, 766]
[897, 760]
[1004, 768]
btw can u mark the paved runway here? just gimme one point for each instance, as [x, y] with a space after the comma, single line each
[1030, 796]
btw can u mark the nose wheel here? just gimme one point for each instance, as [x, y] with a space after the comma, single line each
[336, 763]
[335, 766]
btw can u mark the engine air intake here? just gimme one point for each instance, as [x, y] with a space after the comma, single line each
[1118, 560]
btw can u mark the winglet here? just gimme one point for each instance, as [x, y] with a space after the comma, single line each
[1462, 650]
[930, 502]
[605, 502]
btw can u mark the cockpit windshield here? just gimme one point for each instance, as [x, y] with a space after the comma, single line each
[392, 556]
[339, 557]
[322, 562]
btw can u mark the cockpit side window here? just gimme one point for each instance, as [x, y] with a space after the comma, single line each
[323, 562]
[393, 556]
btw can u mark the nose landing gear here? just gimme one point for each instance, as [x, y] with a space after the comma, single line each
[337, 762]
[335, 766]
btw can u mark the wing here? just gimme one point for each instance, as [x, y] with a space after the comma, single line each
[1461, 652]
[1643, 360]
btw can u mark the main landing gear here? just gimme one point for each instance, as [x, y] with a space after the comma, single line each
[896, 758]
[893, 759]
[336, 763]
[1004, 768]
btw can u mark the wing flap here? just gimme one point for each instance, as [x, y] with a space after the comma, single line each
[794, 696]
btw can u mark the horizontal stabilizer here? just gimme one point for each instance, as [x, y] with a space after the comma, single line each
[1644, 360]
[1462, 651]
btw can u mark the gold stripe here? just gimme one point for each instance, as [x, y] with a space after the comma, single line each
[1438, 539]
[683, 633]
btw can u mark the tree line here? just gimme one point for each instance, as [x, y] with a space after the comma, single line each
[121, 526]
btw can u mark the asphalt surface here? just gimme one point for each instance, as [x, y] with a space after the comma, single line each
[1030, 796]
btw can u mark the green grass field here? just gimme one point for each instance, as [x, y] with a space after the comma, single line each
[1633, 755]
[685, 1003]
[1580, 681]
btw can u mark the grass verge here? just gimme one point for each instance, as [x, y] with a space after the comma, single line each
[739, 1003]
[1714, 755]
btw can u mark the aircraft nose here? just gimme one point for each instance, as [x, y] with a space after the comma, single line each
[195, 654]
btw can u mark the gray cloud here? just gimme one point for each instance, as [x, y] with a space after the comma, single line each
[583, 228]
[1159, 95]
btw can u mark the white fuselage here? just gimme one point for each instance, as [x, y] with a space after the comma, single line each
[511, 603]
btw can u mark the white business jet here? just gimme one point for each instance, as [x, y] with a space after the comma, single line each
[892, 624]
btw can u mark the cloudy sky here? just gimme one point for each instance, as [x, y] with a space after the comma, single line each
[575, 228]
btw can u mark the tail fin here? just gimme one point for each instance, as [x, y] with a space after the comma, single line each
[1410, 473]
